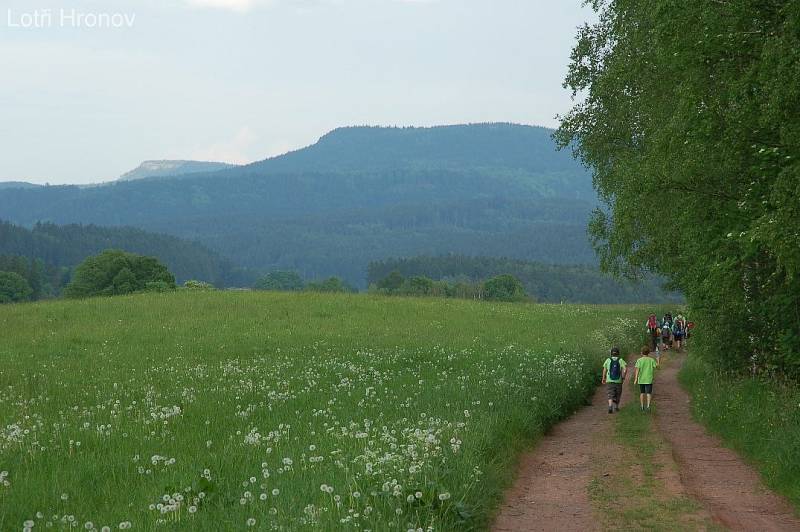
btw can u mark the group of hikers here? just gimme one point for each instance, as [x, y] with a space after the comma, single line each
[669, 333]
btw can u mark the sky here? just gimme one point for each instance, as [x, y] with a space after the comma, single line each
[91, 88]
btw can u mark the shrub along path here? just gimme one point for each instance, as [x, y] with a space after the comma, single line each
[626, 471]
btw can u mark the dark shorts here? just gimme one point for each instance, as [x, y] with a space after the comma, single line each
[679, 336]
[646, 388]
[614, 391]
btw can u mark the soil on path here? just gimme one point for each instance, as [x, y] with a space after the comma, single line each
[716, 476]
[552, 490]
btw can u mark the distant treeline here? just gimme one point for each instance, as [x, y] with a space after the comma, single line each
[499, 288]
[58, 248]
[545, 283]
[40, 280]
[290, 281]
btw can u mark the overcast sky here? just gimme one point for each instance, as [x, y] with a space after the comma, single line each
[240, 80]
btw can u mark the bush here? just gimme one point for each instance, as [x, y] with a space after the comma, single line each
[395, 284]
[158, 286]
[115, 272]
[504, 288]
[392, 282]
[14, 288]
[283, 281]
[420, 286]
[193, 284]
[331, 284]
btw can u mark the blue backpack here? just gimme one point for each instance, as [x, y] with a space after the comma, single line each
[614, 370]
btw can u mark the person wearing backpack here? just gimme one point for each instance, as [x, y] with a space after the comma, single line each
[677, 333]
[652, 330]
[666, 328]
[689, 327]
[614, 372]
[644, 377]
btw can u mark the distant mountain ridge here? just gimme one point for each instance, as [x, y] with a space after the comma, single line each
[17, 184]
[166, 168]
[358, 195]
[370, 149]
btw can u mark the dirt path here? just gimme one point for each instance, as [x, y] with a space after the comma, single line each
[700, 484]
[551, 490]
[714, 475]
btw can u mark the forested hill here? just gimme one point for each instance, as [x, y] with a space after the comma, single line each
[358, 195]
[482, 147]
[546, 283]
[69, 245]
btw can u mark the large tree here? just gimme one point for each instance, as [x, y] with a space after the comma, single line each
[688, 112]
[14, 288]
[115, 272]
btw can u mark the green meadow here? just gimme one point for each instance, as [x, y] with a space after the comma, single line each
[269, 411]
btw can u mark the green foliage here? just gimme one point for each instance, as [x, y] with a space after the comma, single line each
[392, 282]
[395, 284]
[696, 104]
[158, 286]
[60, 247]
[758, 417]
[504, 288]
[283, 281]
[546, 283]
[331, 284]
[115, 272]
[500, 288]
[14, 288]
[218, 379]
[193, 284]
[420, 285]
[45, 280]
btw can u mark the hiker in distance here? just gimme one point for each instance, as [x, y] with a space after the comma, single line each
[644, 376]
[653, 331]
[679, 331]
[614, 371]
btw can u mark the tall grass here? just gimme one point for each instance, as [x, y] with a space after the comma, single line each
[758, 418]
[219, 411]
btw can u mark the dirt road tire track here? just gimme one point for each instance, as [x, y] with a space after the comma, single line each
[715, 476]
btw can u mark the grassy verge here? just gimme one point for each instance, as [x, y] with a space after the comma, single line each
[759, 419]
[629, 490]
[215, 411]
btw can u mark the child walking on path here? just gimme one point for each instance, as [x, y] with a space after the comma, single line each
[614, 372]
[645, 374]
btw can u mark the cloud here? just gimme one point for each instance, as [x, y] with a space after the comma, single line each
[243, 6]
[239, 6]
[237, 149]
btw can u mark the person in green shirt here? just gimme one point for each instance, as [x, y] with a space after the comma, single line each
[645, 374]
[614, 372]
